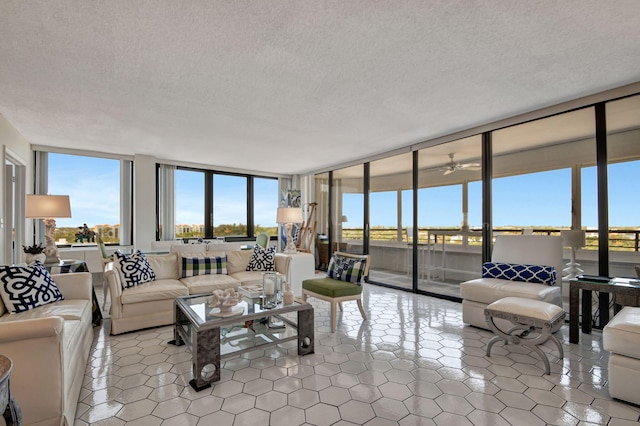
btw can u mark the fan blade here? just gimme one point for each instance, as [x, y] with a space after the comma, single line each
[449, 171]
[467, 165]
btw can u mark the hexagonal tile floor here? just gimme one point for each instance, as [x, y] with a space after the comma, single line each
[413, 362]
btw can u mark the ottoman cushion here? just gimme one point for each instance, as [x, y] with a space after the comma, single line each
[622, 334]
[526, 308]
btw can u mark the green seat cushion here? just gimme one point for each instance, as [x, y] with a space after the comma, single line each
[331, 288]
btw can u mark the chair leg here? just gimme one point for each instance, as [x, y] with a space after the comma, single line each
[304, 296]
[333, 315]
[340, 306]
[364, 316]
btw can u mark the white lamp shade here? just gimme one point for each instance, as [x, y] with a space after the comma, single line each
[47, 206]
[289, 215]
[573, 238]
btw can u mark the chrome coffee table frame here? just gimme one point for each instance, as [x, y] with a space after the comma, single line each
[194, 326]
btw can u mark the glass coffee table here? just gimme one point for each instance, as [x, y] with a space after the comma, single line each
[211, 338]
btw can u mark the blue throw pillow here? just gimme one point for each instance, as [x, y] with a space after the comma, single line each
[539, 274]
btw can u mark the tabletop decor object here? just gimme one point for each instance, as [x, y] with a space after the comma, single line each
[34, 253]
[271, 289]
[225, 301]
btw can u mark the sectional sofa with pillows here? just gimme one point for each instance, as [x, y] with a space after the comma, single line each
[143, 288]
[46, 330]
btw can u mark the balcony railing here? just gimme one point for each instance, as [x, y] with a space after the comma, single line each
[620, 239]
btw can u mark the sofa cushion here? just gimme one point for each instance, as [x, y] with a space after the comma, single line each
[207, 283]
[347, 269]
[488, 290]
[262, 259]
[134, 269]
[69, 309]
[540, 274]
[154, 290]
[246, 277]
[165, 266]
[238, 260]
[27, 287]
[193, 266]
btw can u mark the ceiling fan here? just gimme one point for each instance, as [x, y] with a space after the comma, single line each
[453, 166]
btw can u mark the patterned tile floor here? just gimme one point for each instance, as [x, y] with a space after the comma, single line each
[412, 362]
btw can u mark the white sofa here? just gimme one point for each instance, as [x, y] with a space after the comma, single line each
[522, 249]
[152, 304]
[621, 337]
[49, 346]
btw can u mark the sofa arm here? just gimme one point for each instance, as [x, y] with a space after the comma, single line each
[78, 285]
[15, 331]
[112, 279]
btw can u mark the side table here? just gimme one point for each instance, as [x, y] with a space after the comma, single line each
[69, 267]
[617, 286]
[11, 410]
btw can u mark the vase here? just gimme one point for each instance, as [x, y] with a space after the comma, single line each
[39, 257]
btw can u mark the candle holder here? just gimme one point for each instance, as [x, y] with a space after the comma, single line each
[271, 289]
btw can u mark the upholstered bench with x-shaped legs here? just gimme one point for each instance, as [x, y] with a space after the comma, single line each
[534, 322]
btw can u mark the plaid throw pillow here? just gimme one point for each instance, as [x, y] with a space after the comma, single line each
[262, 259]
[539, 274]
[346, 269]
[134, 269]
[192, 266]
[26, 287]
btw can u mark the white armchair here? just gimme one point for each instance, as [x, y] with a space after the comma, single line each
[520, 249]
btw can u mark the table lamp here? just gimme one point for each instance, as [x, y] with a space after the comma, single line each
[48, 207]
[288, 216]
[574, 238]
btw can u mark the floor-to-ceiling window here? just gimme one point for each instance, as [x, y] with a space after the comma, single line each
[623, 156]
[542, 177]
[391, 220]
[538, 184]
[347, 215]
[449, 215]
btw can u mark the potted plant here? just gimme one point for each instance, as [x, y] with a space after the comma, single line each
[34, 253]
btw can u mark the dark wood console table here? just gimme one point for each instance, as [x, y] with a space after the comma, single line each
[627, 294]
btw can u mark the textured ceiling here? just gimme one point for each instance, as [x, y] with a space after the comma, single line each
[294, 86]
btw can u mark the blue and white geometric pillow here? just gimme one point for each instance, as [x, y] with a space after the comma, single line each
[262, 259]
[134, 269]
[192, 266]
[539, 274]
[27, 287]
[346, 269]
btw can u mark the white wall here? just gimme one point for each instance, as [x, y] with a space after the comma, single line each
[144, 201]
[14, 144]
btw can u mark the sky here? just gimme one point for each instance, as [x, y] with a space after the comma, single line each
[539, 199]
